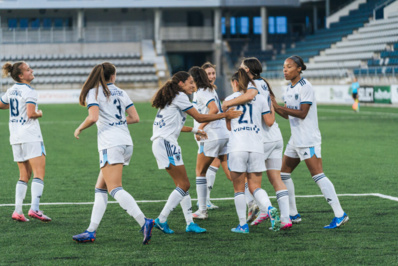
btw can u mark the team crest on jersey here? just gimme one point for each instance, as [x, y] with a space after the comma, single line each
[264, 87]
[296, 96]
[178, 157]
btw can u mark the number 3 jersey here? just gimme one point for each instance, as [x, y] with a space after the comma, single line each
[246, 130]
[22, 129]
[111, 124]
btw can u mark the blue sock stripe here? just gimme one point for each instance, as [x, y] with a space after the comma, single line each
[214, 169]
[246, 185]
[187, 193]
[181, 191]
[283, 193]
[115, 190]
[22, 182]
[201, 181]
[99, 190]
[38, 180]
[318, 177]
[285, 176]
[256, 191]
[239, 193]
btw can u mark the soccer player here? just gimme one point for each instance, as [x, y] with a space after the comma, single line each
[215, 146]
[107, 105]
[173, 105]
[212, 170]
[25, 138]
[246, 152]
[305, 140]
[272, 141]
[354, 87]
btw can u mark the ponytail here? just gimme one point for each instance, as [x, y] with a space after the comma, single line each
[255, 68]
[99, 76]
[243, 80]
[166, 94]
[13, 70]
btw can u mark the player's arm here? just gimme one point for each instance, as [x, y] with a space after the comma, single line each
[31, 111]
[132, 115]
[91, 119]
[228, 121]
[212, 110]
[201, 118]
[198, 132]
[285, 112]
[245, 98]
[269, 117]
[4, 105]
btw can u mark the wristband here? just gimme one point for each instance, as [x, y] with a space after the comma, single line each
[194, 130]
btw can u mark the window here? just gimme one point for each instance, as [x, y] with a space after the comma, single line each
[244, 25]
[281, 25]
[223, 25]
[47, 23]
[35, 23]
[233, 25]
[271, 25]
[58, 23]
[12, 23]
[257, 25]
[23, 23]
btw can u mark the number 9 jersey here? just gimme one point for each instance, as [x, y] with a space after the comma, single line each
[111, 124]
[22, 129]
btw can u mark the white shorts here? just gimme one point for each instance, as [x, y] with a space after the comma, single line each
[166, 153]
[303, 153]
[273, 150]
[213, 148]
[246, 162]
[25, 151]
[119, 154]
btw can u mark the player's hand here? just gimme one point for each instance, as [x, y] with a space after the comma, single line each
[224, 106]
[39, 113]
[77, 133]
[275, 105]
[200, 135]
[231, 113]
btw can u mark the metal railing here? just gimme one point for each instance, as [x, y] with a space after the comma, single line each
[186, 33]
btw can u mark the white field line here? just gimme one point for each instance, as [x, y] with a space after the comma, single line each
[213, 199]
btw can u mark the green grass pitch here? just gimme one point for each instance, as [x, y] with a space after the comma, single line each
[359, 152]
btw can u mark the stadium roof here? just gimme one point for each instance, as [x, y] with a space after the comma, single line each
[89, 4]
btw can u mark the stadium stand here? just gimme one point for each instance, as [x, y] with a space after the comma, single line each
[345, 45]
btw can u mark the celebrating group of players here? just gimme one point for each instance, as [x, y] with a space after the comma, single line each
[241, 134]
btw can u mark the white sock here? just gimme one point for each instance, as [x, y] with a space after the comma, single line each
[186, 205]
[248, 196]
[262, 199]
[99, 207]
[240, 206]
[211, 178]
[127, 202]
[329, 193]
[37, 191]
[175, 197]
[20, 193]
[201, 190]
[282, 196]
[292, 197]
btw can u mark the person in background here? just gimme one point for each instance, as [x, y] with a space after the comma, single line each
[355, 88]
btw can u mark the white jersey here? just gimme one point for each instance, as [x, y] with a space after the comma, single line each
[272, 133]
[305, 132]
[170, 120]
[215, 129]
[111, 124]
[246, 130]
[22, 129]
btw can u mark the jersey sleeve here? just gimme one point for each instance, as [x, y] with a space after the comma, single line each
[182, 102]
[4, 99]
[206, 97]
[307, 94]
[91, 99]
[126, 100]
[31, 97]
[251, 86]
